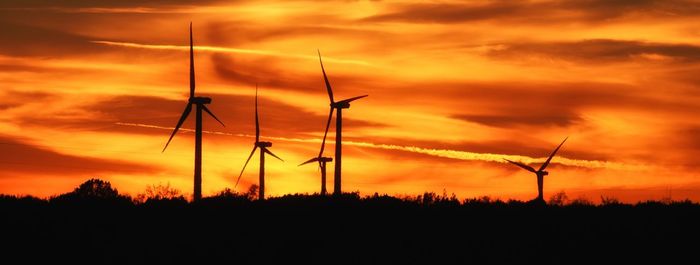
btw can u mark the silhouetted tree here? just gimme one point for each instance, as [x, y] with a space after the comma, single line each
[95, 188]
[558, 199]
[252, 191]
[605, 200]
[581, 202]
[159, 192]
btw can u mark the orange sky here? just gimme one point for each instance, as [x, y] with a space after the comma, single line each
[93, 88]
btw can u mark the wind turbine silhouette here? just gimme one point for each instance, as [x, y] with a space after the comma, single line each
[339, 105]
[263, 150]
[322, 166]
[200, 103]
[540, 172]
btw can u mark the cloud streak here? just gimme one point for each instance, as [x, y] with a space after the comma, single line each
[600, 51]
[536, 12]
[445, 153]
[24, 157]
[228, 50]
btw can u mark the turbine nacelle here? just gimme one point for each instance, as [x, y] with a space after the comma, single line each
[320, 160]
[543, 173]
[340, 105]
[200, 100]
[263, 144]
[345, 104]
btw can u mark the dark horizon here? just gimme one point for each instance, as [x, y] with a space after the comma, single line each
[94, 224]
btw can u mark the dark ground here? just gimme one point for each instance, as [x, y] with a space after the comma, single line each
[301, 229]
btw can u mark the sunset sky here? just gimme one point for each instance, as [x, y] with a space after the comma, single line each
[94, 88]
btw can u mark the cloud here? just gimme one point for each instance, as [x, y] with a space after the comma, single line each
[225, 50]
[250, 32]
[436, 152]
[505, 103]
[516, 119]
[448, 13]
[21, 157]
[102, 3]
[15, 98]
[237, 112]
[38, 41]
[523, 147]
[600, 51]
[267, 73]
[537, 12]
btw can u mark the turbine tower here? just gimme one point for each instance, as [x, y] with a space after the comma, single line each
[540, 172]
[200, 103]
[263, 150]
[339, 105]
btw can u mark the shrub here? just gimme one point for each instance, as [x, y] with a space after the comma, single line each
[558, 199]
[159, 192]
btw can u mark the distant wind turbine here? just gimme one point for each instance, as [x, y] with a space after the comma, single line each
[339, 105]
[200, 103]
[540, 172]
[263, 150]
[322, 166]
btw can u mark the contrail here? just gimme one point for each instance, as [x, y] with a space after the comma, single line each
[446, 153]
[224, 50]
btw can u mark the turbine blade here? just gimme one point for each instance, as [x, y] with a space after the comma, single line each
[244, 165]
[270, 153]
[179, 123]
[325, 78]
[309, 161]
[353, 99]
[212, 115]
[257, 120]
[191, 64]
[328, 125]
[526, 167]
[546, 163]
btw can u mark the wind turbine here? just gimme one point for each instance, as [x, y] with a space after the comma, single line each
[339, 105]
[263, 150]
[200, 103]
[540, 172]
[322, 166]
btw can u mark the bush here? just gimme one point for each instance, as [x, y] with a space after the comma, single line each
[581, 202]
[159, 192]
[604, 200]
[93, 190]
[558, 199]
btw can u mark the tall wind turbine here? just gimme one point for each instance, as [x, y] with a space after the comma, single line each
[200, 103]
[540, 172]
[263, 150]
[339, 105]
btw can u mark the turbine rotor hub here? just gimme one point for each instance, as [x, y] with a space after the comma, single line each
[200, 100]
[340, 105]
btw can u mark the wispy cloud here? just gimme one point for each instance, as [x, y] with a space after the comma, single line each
[228, 50]
[547, 11]
[601, 51]
[446, 153]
